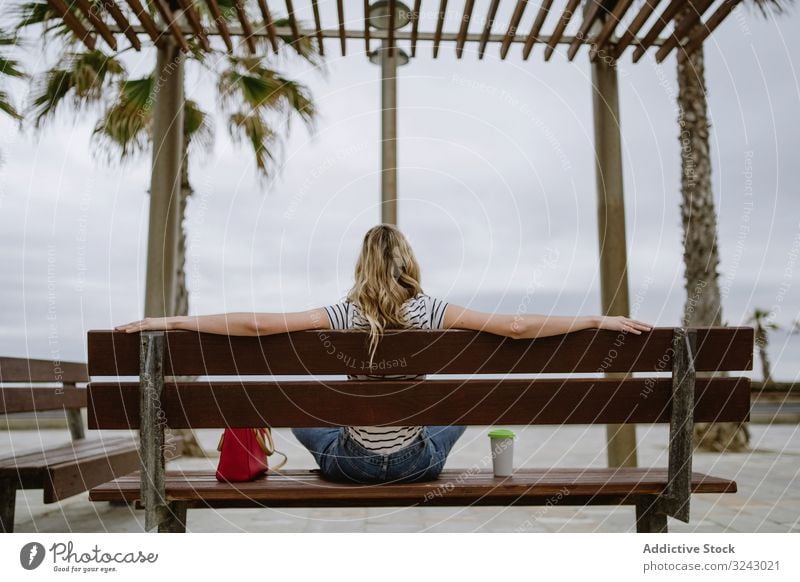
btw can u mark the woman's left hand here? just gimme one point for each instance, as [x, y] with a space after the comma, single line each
[148, 324]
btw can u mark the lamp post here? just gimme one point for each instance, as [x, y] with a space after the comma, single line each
[389, 60]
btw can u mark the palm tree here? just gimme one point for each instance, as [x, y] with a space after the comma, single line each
[8, 68]
[699, 219]
[251, 94]
[763, 322]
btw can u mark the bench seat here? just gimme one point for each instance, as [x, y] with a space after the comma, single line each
[72, 468]
[454, 487]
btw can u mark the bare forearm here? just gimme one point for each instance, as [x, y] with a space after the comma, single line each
[221, 323]
[534, 325]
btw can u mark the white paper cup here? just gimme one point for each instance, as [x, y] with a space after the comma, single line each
[502, 445]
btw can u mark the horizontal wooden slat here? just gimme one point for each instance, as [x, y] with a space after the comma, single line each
[420, 351]
[25, 370]
[35, 399]
[40, 458]
[432, 402]
[300, 488]
[72, 478]
[66, 470]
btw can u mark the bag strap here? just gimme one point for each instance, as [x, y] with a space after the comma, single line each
[271, 449]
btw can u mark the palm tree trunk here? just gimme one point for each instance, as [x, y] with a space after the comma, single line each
[191, 446]
[701, 256]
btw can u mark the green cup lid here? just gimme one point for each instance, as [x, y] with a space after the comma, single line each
[501, 433]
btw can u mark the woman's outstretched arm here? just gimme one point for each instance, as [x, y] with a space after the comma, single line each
[240, 323]
[534, 325]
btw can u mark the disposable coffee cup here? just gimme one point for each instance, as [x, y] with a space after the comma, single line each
[502, 443]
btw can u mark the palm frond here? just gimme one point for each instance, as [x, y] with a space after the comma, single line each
[9, 67]
[40, 13]
[7, 107]
[251, 128]
[85, 76]
[197, 125]
[254, 93]
[774, 6]
[125, 125]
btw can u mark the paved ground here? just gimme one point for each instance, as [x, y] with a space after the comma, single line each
[768, 498]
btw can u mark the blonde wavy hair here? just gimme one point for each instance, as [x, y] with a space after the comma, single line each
[387, 275]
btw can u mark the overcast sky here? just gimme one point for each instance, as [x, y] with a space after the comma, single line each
[496, 177]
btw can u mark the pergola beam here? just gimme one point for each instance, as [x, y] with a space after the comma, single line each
[592, 13]
[340, 14]
[636, 25]
[146, 20]
[702, 31]
[123, 23]
[270, 24]
[461, 37]
[221, 26]
[660, 24]
[683, 29]
[292, 22]
[487, 28]
[194, 22]
[97, 23]
[439, 24]
[382, 34]
[566, 16]
[75, 25]
[245, 22]
[609, 26]
[536, 28]
[513, 24]
[318, 25]
[414, 26]
[172, 24]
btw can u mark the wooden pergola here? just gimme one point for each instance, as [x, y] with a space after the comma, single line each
[182, 21]
[607, 28]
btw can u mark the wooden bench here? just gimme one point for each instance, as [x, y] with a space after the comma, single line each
[675, 397]
[60, 471]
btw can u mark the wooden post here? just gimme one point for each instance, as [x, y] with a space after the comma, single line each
[176, 520]
[650, 515]
[164, 227]
[389, 135]
[75, 419]
[611, 228]
[681, 427]
[8, 500]
[151, 428]
[75, 424]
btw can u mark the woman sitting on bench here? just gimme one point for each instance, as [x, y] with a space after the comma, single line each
[386, 295]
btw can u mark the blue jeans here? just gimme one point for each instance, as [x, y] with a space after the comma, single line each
[342, 458]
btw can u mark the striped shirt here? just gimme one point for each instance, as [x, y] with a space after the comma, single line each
[422, 312]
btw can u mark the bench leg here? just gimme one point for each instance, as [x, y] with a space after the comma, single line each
[650, 515]
[75, 424]
[175, 521]
[8, 499]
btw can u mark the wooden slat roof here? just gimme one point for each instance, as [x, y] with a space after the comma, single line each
[607, 28]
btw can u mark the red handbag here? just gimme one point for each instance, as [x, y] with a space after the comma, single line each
[243, 454]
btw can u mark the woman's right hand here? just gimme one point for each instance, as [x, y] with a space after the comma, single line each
[622, 323]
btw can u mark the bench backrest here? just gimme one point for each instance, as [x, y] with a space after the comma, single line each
[34, 396]
[310, 401]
